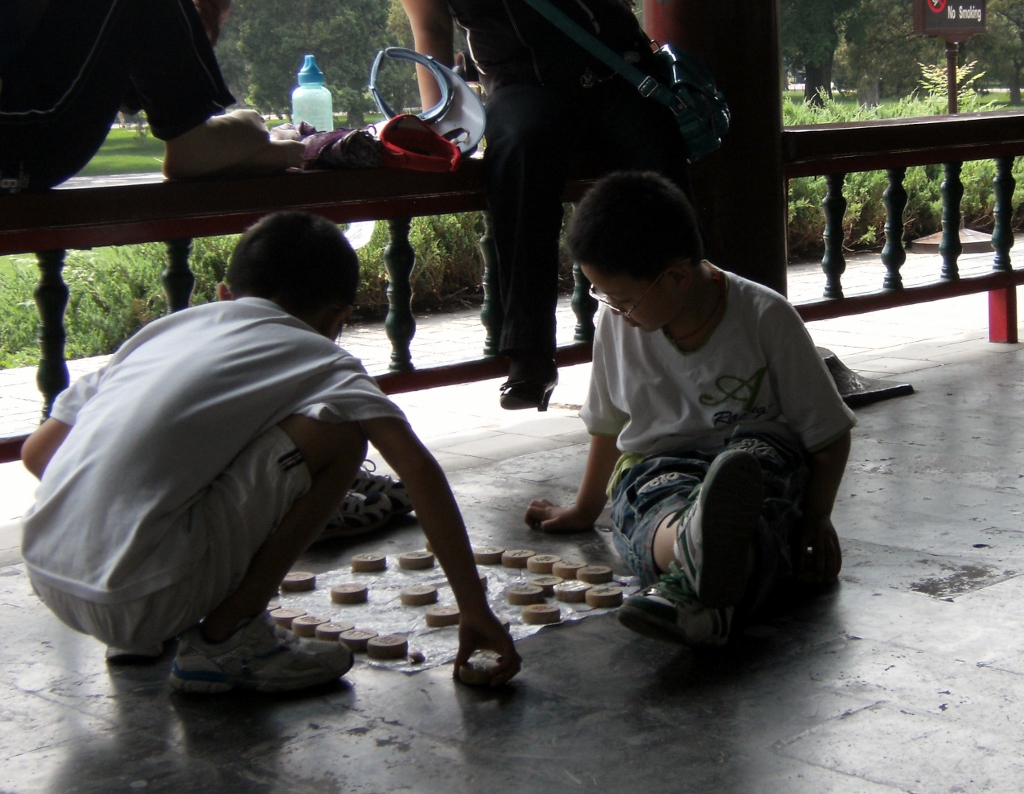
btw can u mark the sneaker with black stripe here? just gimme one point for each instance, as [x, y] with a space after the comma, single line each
[357, 515]
[368, 482]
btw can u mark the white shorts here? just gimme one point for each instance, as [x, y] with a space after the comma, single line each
[228, 524]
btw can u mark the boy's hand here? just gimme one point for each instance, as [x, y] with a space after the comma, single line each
[549, 517]
[818, 558]
[488, 634]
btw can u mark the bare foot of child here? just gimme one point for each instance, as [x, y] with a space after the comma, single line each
[237, 142]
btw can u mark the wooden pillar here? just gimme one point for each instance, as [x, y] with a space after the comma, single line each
[740, 189]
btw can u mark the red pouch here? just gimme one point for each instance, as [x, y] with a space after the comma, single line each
[409, 142]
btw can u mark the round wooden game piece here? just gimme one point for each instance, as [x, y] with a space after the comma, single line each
[355, 639]
[428, 546]
[369, 562]
[438, 616]
[594, 574]
[298, 581]
[416, 657]
[488, 555]
[547, 583]
[572, 592]
[387, 646]
[418, 595]
[479, 669]
[483, 579]
[604, 595]
[349, 593]
[305, 625]
[416, 560]
[331, 631]
[542, 563]
[283, 617]
[275, 604]
[541, 613]
[522, 594]
[516, 558]
[567, 568]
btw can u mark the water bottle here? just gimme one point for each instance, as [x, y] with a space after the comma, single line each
[311, 102]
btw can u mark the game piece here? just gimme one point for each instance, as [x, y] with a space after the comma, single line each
[488, 555]
[483, 579]
[479, 669]
[541, 613]
[284, 617]
[428, 547]
[572, 592]
[275, 604]
[416, 657]
[522, 594]
[567, 568]
[298, 581]
[331, 631]
[438, 616]
[594, 574]
[542, 563]
[349, 593]
[417, 595]
[387, 646]
[305, 625]
[604, 596]
[516, 558]
[369, 562]
[355, 639]
[416, 560]
[547, 583]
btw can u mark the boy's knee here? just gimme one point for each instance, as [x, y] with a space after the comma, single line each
[322, 444]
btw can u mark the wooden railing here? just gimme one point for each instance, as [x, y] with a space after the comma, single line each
[175, 212]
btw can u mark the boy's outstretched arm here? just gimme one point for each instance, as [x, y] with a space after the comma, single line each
[442, 523]
[817, 557]
[590, 499]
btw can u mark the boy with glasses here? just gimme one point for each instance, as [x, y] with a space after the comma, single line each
[716, 429]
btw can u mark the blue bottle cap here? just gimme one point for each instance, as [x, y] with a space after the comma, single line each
[310, 73]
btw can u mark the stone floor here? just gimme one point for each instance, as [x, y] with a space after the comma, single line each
[907, 676]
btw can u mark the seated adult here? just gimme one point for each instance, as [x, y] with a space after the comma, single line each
[67, 67]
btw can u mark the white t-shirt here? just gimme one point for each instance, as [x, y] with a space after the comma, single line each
[758, 365]
[153, 428]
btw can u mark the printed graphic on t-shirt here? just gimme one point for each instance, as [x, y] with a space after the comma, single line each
[735, 389]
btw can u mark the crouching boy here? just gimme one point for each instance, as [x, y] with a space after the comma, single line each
[715, 427]
[180, 482]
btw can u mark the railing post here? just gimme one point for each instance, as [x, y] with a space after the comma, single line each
[177, 277]
[833, 263]
[492, 315]
[952, 191]
[583, 306]
[894, 254]
[51, 294]
[400, 325]
[1002, 303]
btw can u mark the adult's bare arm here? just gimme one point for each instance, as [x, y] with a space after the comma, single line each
[432, 32]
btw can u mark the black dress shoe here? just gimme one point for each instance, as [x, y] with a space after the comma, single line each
[531, 379]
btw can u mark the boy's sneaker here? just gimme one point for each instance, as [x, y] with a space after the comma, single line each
[368, 482]
[716, 532]
[257, 656]
[668, 612]
[358, 514]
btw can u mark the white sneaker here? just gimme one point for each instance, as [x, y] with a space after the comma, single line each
[257, 656]
[678, 619]
[368, 481]
[358, 514]
[714, 535]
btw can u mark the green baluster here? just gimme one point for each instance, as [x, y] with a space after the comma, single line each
[492, 315]
[1002, 233]
[833, 263]
[399, 260]
[177, 277]
[952, 191]
[51, 294]
[894, 254]
[583, 306]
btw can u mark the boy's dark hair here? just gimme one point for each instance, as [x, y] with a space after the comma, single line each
[300, 261]
[634, 223]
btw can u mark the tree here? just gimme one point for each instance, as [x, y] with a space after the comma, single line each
[1001, 48]
[810, 35]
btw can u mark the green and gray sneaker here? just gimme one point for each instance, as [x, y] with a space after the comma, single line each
[670, 612]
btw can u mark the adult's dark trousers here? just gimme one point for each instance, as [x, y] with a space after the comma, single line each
[534, 136]
[62, 89]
